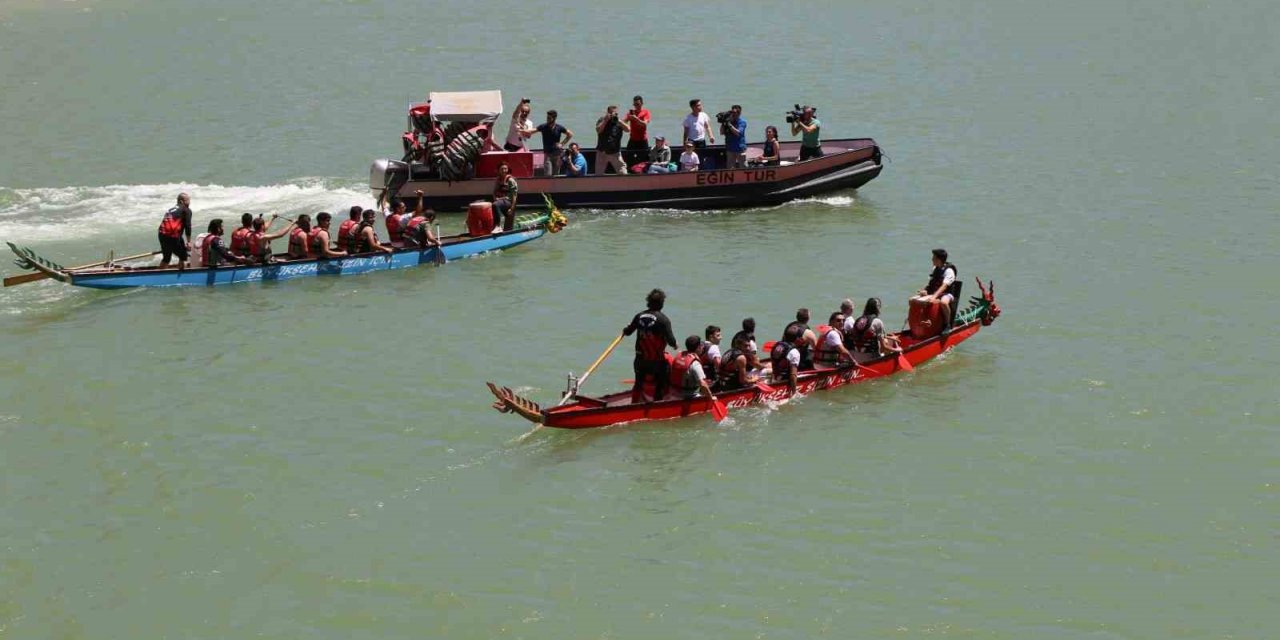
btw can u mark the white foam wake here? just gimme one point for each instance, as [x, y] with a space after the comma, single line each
[34, 215]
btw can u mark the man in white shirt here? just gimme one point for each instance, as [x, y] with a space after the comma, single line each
[697, 126]
[938, 291]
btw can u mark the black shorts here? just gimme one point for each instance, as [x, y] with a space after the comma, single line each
[170, 246]
[810, 152]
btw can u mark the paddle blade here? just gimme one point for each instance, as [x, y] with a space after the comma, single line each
[902, 362]
[764, 388]
[718, 410]
[440, 257]
[768, 346]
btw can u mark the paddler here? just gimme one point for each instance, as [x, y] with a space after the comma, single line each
[831, 351]
[363, 239]
[299, 239]
[260, 239]
[687, 374]
[240, 237]
[785, 357]
[319, 238]
[938, 290]
[867, 332]
[709, 352]
[735, 367]
[396, 221]
[212, 252]
[353, 219]
[175, 224]
[653, 336]
[417, 227]
[807, 339]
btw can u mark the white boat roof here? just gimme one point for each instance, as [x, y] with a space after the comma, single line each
[466, 106]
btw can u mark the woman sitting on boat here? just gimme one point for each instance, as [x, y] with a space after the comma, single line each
[505, 193]
[867, 333]
[772, 149]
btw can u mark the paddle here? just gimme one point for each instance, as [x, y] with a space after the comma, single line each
[719, 410]
[903, 363]
[32, 277]
[440, 258]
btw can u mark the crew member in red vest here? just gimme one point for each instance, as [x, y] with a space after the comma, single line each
[212, 252]
[319, 238]
[653, 336]
[299, 239]
[175, 224]
[417, 227]
[344, 229]
[687, 374]
[396, 221]
[240, 237]
[260, 239]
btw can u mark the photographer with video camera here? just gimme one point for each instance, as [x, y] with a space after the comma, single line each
[804, 120]
[734, 128]
[609, 143]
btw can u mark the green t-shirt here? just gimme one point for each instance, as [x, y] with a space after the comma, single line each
[811, 139]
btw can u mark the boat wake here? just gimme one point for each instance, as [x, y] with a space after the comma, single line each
[50, 214]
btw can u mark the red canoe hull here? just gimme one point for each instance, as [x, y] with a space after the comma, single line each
[618, 409]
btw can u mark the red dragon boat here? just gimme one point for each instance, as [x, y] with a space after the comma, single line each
[922, 342]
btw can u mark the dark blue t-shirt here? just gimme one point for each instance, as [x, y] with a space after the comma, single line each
[734, 143]
[551, 134]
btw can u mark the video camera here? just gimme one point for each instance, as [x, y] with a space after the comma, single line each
[798, 113]
[724, 117]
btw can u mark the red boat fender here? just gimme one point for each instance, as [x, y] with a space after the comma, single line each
[480, 218]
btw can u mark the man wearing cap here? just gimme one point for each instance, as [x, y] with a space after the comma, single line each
[659, 156]
[938, 291]
[638, 140]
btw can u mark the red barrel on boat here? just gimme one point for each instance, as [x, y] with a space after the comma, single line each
[924, 318]
[480, 218]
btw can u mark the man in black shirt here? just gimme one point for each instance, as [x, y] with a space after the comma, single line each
[653, 336]
[609, 143]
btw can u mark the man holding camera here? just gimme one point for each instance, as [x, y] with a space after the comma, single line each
[575, 164]
[697, 126]
[734, 128]
[609, 143]
[638, 142]
[810, 145]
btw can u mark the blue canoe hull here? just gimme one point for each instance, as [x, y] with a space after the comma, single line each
[232, 274]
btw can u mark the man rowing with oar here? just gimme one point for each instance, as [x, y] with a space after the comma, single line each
[653, 336]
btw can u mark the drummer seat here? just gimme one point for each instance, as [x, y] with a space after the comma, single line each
[956, 286]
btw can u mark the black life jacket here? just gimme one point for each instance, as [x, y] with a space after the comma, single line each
[356, 242]
[778, 355]
[650, 343]
[728, 375]
[806, 358]
[864, 339]
[935, 278]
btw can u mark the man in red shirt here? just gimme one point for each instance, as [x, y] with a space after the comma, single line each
[638, 143]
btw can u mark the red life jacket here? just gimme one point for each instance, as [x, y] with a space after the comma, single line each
[680, 377]
[257, 244]
[824, 354]
[205, 249]
[298, 246]
[171, 224]
[240, 241]
[344, 229]
[411, 229]
[315, 247]
[394, 232]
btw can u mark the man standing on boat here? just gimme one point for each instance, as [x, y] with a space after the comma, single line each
[638, 142]
[938, 290]
[653, 336]
[697, 126]
[175, 224]
[552, 145]
[609, 142]
[735, 138]
[810, 126]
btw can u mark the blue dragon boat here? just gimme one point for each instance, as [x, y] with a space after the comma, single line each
[119, 274]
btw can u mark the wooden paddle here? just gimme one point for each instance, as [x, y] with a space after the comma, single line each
[440, 258]
[32, 277]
